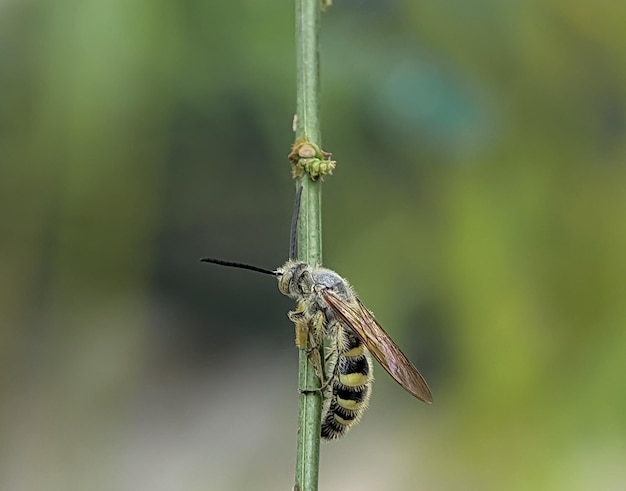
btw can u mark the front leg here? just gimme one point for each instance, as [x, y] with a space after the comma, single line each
[309, 337]
[298, 317]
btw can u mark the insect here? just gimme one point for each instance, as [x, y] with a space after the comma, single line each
[331, 309]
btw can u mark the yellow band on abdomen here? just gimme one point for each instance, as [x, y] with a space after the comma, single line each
[353, 379]
[348, 404]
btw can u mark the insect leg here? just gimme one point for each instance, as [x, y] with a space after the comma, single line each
[298, 317]
[309, 337]
[316, 330]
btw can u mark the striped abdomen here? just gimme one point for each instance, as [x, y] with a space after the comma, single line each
[350, 384]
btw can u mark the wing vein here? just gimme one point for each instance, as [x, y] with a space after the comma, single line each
[363, 323]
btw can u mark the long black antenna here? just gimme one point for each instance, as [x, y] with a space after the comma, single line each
[231, 264]
[293, 239]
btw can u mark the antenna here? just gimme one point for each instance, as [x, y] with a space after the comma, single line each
[232, 264]
[293, 240]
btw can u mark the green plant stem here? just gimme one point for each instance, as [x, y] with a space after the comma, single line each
[308, 13]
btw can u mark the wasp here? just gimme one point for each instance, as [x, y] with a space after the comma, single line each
[330, 308]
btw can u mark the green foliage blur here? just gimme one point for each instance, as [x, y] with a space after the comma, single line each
[478, 207]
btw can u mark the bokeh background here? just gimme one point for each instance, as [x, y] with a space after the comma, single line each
[478, 206]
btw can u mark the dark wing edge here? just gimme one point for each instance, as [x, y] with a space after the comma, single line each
[380, 345]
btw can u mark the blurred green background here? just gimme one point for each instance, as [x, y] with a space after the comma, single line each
[478, 207]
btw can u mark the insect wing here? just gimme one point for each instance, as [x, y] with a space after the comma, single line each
[379, 344]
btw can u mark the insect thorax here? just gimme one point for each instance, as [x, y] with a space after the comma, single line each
[302, 282]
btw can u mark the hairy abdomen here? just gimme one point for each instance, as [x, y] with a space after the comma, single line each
[350, 385]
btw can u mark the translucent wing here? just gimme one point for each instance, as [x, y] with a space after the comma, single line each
[379, 344]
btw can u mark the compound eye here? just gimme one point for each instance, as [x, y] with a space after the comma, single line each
[283, 283]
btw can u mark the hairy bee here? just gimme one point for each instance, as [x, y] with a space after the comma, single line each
[331, 309]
